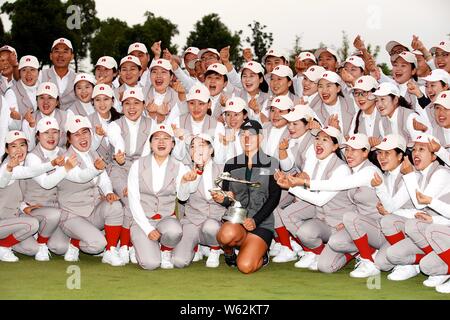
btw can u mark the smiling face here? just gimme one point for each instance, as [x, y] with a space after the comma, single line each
[161, 144]
[18, 148]
[81, 140]
[5, 66]
[130, 73]
[250, 140]
[276, 118]
[251, 81]
[46, 104]
[208, 59]
[280, 85]
[103, 105]
[198, 109]
[389, 159]
[234, 120]
[83, 90]
[200, 151]
[144, 58]
[355, 156]
[49, 139]
[160, 79]
[355, 71]
[297, 129]
[215, 83]
[133, 108]
[442, 116]
[324, 145]
[422, 157]
[387, 105]
[29, 76]
[442, 59]
[106, 74]
[273, 62]
[433, 88]
[402, 70]
[61, 55]
[328, 61]
[363, 101]
[309, 87]
[328, 91]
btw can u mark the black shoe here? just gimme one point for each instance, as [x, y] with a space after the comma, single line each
[266, 259]
[230, 259]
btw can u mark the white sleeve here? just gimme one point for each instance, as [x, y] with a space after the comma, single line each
[441, 207]
[105, 184]
[183, 189]
[115, 137]
[395, 202]
[444, 155]
[362, 178]
[30, 133]
[385, 78]
[353, 124]
[11, 102]
[438, 184]
[288, 163]
[186, 81]
[409, 124]
[411, 184]
[134, 199]
[25, 172]
[234, 79]
[46, 181]
[79, 175]
[406, 213]
[5, 176]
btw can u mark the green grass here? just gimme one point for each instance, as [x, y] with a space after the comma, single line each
[28, 279]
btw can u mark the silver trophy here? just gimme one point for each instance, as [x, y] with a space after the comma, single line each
[235, 213]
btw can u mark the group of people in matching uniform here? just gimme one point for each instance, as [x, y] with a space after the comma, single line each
[342, 161]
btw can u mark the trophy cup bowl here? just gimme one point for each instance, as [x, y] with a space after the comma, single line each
[235, 215]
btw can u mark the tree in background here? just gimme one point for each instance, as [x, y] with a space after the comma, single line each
[210, 32]
[260, 40]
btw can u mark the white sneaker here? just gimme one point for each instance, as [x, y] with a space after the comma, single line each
[6, 255]
[315, 265]
[434, 281]
[166, 260]
[364, 269]
[43, 254]
[72, 254]
[198, 256]
[307, 260]
[132, 252]
[205, 250]
[285, 255]
[443, 288]
[124, 254]
[401, 273]
[297, 248]
[213, 259]
[112, 257]
[275, 249]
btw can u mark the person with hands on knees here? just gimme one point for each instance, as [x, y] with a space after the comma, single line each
[254, 236]
[154, 184]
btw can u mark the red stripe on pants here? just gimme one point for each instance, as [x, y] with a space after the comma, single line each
[395, 238]
[112, 234]
[42, 240]
[445, 256]
[365, 250]
[284, 237]
[125, 237]
[9, 241]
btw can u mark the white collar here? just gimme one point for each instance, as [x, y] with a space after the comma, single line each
[154, 162]
[394, 115]
[324, 162]
[358, 167]
[82, 154]
[134, 124]
[66, 76]
[49, 153]
[396, 171]
[425, 171]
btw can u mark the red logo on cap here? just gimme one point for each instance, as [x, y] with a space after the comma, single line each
[360, 81]
[160, 62]
[61, 40]
[271, 51]
[278, 100]
[215, 66]
[351, 59]
[162, 127]
[132, 92]
[197, 91]
[250, 64]
[442, 43]
[136, 46]
[83, 77]
[16, 133]
[443, 95]
[77, 121]
[325, 75]
[231, 103]
[103, 60]
[277, 68]
[28, 60]
[312, 69]
[385, 139]
[47, 87]
[353, 138]
[130, 58]
[102, 88]
[419, 137]
[308, 55]
[48, 123]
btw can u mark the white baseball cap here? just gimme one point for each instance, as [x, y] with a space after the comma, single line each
[75, 123]
[254, 67]
[8, 48]
[48, 88]
[392, 141]
[47, 123]
[162, 128]
[299, 112]
[321, 50]
[137, 46]
[235, 104]
[133, 93]
[203, 51]
[203, 136]
[198, 92]
[28, 61]
[358, 141]
[331, 76]
[444, 45]
[283, 71]
[102, 89]
[191, 64]
[307, 55]
[314, 73]
[85, 77]
[391, 44]
[443, 99]
[274, 53]
[407, 56]
[218, 68]
[387, 88]
[331, 131]
[365, 83]
[356, 61]
[163, 63]
[132, 59]
[423, 138]
[14, 135]
[64, 41]
[193, 50]
[417, 52]
[438, 75]
[282, 103]
[107, 62]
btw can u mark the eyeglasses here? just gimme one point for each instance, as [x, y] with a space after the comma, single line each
[360, 93]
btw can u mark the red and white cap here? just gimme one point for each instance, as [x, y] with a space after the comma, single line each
[137, 46]
[47, 123]
[366, 83]
[85, 77]
[443, 99]
[75, 123]
[107, 62]
[307, 55]
[203, 136]
[282, 103]
[391, 142]
[283, 71]
[314, 73]
[8, 48]
[331, 131]
[132, 59]
[331, 76]
[391, 44]
[162, 128]
[48, 88]
[198, 92]
[299, 112]
[193, 50]
[235, 104]
[444, 45]
[254, 67]
[102, 89]
[387, 88]
[423, 138]
[28, 61]
[218, 68]
[438, 75]
[322, 50]
[133, 93]
[14, 135]
[64, 41]
[358, 141]
[274, 53]
[417, 52]
[163, 63]
[203, 51]
[356, 61]
[407, 56]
